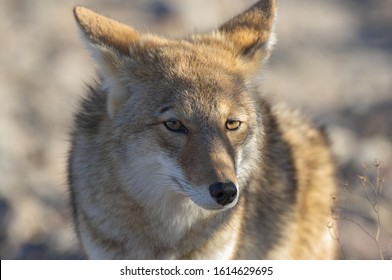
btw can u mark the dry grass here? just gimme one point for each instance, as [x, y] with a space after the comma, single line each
[372, 189]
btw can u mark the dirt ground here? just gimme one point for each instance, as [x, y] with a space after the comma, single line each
[333, 59]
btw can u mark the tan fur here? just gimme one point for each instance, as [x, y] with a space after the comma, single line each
[99, 29]
[171, 122]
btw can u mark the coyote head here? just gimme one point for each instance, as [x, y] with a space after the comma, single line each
[181, 113]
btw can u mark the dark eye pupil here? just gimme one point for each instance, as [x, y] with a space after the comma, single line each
[173, 124]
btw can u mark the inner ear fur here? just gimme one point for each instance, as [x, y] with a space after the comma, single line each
[251, 32]
[109, 42]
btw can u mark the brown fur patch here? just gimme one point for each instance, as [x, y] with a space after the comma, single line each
[252, 29]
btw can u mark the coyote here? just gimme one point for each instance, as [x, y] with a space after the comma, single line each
[177, 155]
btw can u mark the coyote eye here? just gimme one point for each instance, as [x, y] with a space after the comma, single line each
[233, 124]
[175, 126]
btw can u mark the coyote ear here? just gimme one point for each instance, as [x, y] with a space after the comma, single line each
[104, 32]
[251, 32]
[109, 42]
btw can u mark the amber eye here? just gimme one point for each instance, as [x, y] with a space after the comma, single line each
[233, 124]
[175, 126]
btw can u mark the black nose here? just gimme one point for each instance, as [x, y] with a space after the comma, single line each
[223, 193]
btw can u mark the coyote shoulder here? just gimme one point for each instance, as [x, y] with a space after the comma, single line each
[176, 155]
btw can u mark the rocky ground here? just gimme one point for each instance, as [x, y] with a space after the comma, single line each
[333, 59]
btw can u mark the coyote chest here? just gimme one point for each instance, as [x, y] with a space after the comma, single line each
[176, 155]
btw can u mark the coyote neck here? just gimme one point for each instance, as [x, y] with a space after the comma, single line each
[171, 236]
[161, 233]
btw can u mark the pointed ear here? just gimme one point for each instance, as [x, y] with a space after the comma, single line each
[251, 32]
[109, 42]
[101, 31]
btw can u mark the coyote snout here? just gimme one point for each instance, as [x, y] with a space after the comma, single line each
[210, 173]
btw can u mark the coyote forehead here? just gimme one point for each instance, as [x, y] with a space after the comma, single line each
[189, 75]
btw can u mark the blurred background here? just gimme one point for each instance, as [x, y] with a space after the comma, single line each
[333, 60]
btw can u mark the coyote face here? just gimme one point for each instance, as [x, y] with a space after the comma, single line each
[190, 123]
[175, 154]
[186, 108]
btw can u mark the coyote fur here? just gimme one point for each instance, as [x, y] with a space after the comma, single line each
[176, 155]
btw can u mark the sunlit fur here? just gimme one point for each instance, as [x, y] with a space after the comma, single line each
[140, 189]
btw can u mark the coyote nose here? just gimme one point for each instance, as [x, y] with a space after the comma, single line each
[223, 193]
